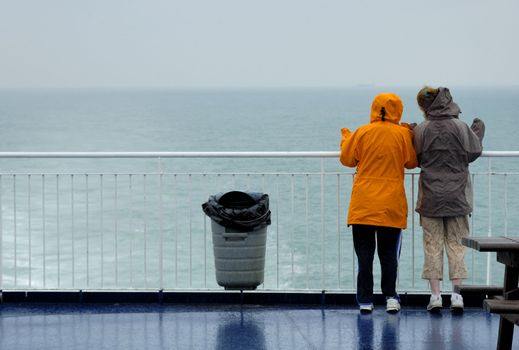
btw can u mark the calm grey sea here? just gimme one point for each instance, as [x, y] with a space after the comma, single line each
[48, 223]
[226, 120]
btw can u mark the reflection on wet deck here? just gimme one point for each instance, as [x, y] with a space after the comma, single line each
[153, 326]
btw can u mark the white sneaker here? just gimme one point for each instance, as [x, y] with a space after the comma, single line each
[392, 305]
[366, 308]
[456, 302]
[435, 303]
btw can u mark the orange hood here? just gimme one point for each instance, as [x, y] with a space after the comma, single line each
[387, 107]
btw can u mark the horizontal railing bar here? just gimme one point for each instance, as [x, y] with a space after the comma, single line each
[189, 290]
[328, 173]
[186, 174]
[169, 154]
[492, 154]
[315, 154]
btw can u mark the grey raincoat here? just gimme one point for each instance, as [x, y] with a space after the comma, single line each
[444, 147]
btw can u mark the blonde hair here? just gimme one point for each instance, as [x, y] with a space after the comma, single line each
[426, 97]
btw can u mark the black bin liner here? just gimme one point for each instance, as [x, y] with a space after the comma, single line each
[246, 211]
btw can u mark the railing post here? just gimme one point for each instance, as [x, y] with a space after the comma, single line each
[506, 205]
[43, 228]
[190, 204]
[72, 228]
[58, 231]
[277, 231]
[131, 229]
[307, 233]
[489, 215]
[29, 233]
[145, 198]
[161, 234]
[15, 233]
[1, 238]
[116, 246]
[175, 219]
[87, 232]
[101, 226]
[323, 258]
[292, 247]
[339, 231]
[472, 222]
[412, 230]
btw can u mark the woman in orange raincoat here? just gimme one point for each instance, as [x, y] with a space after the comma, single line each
[378, 208]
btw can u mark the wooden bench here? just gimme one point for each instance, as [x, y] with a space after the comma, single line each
[496, 306]
[506, 305]
[490, 291]
[508, 309]
[512, 318]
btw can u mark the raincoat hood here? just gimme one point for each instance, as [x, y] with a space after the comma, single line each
[443, 106]
[387, 107]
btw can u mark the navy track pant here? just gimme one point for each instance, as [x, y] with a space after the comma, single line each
[387, 241]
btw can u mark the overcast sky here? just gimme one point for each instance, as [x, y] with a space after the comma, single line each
[234, 43]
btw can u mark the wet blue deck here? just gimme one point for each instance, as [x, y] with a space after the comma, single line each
[154, 326]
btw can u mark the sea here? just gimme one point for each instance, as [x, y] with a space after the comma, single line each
[138, 224]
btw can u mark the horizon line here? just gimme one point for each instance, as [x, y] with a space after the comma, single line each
[253, 87]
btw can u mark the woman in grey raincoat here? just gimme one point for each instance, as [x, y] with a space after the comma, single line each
[444, 147]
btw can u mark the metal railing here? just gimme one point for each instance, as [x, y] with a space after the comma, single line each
[129, 230]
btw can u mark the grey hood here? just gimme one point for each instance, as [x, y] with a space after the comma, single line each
[443, 106]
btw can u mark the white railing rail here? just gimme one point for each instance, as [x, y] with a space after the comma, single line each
[312, 154]
[145, 230]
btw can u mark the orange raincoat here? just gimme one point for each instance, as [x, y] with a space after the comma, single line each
[380, 150]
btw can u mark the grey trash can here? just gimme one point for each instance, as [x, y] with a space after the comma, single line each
[239, 223]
